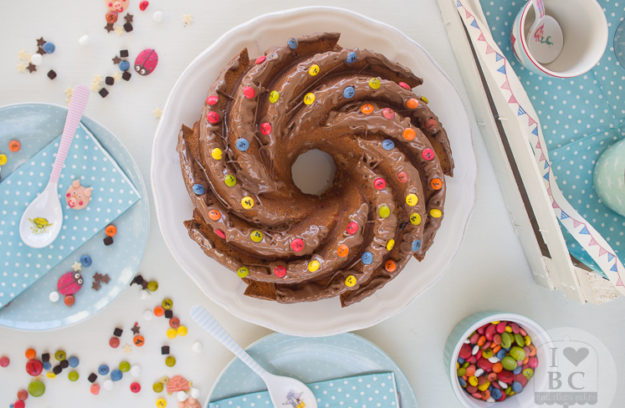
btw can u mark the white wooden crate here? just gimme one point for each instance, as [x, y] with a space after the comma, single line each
[519, 177]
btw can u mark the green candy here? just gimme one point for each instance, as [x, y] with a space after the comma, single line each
[462, 372]
[153, 286]
[124, 366]
[157, 387]
[36, 388]
[72, 375]
[517, 353]
[519, 340]
[487, 353]
[509, 363]
[506, 340]
[528, 373]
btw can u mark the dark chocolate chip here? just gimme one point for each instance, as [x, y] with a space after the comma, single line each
[123, 53]
[117, 332]
[128, 27]
[103, 92]
[51, 74]
[108, 240]
[64, 364]
[109, 80]
[169, 314]
[92, 377]
[165, 350]
[57, 369]
[126, 75]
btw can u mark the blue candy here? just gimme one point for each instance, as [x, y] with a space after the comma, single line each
[495, 393]
[116, 375]
[242, 144]
[293, 43]
[517, 370]
[461, 360]
[86, 260]
[367, 258]
[103, 369]
[501, 354]
[198, 189]
[388, 144]
[124, 65]
[462, 382]
[517, 387]
[47, 365]
[351, 57]
[48, 47]
[416, 245]
[73, 361]
[349, 92]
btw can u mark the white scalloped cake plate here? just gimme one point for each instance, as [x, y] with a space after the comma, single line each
[173, 206]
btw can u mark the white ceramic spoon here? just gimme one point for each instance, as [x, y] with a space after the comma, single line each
[284, 391]
[544, 39]
[42, 220]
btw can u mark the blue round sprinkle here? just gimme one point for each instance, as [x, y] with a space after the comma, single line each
[116, 375]
[517, 387]
[124, 65]
[47, 365]
[103, 369]
[73, 361]
[416, 245]
[495, 393]
[293, 43]
[198, 189]
[242, 144]
[351, 57]
[86, 260]
[388, 144]
[48, 47]
[367, 258]
[349, 92]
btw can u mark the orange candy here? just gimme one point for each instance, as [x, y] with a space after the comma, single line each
[470, 371]
[412, 103]
[111, 230]
[390, 265]
[30, 353]
[342, 250]
[138, 340]
[497, 367]
[69, 300]
[436, 184]
[159, 311]
[15, 145]
[409, 134]
[367, 108]
[481, 341]
[214, 215]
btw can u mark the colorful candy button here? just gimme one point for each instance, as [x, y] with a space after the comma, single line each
[297, 244]
[124, 66]
[60, 355]
[182, 331]
[161, 403]
[247, 202]
[214, 215]
[15, 145]
[350, 281]
[279, 271]
[390, 265]
[198, 189]
[367, 258]
[3, 159]
[409, 134]
[402, 177]
[274, 96]
[367, 108]
[412, 103]
[349, 92]
[249, 92]
[138, 340]
[436, 184]
[436, 213]
[170, 361]
[379, 183]
[158, 387]
[171, 333]
[230, 180]
[404, 85]
[220, 233]
[242, 144]
[256, 236]
[314, 266]
[388, 144]
[384, 211]
[243, 271]
[309, 98]
[260, 60]
[135, 387]
[217, 153]
[212, 117]
[103, 369]
[4, 361]
[110, 231]
[416, 245]
[152, 286]
[351, 57]
[388, 113]
[390, 244]
[212, 100]
[94, 389]
[352, 228]
[342, 250]
[293, 43]
[265, 128]
[313, 70]
[374, 83]
[412, 200]
[431, 123]
[427, 154]
[30, 353]
[116, 375]
[114, 342]
[36, 388]
[34, 367]
[415, 218]
[22, 395]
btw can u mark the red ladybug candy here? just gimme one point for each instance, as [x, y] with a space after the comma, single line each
[146, 61]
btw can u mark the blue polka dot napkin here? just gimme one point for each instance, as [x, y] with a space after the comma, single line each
[580, 117]
[113, 193]
[363, 391]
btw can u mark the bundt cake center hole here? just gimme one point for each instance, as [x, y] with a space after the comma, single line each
[313, 172]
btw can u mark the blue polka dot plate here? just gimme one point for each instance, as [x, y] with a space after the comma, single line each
[112, 266]
[311, 360]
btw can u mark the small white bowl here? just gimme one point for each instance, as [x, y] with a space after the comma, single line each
[468, 325]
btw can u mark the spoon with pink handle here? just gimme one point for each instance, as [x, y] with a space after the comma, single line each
[544, 39]
[42, 220]
[284, 391]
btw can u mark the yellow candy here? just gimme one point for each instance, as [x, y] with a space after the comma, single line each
[171, 333]
[384, 211]
[3, 159]
[314, 266]
[230, 180]
[415, 219]
[247, 202]
[274, 96]
[412, 200]
[217, 153]
[256, 236]
[50, 374]
[313, 70]
[528, 340]
[242, 272]
[509, 329]
[309, 98]
[161, 403]
[436, 213]
[182, 331]
[374, 83]
[484, 387]
[390, 244]
[424, 99]
[473, 380]
[350, 281]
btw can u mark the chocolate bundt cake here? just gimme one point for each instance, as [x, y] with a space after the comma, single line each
[386, 201]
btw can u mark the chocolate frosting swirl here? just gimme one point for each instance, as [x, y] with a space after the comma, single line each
[386, 202]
